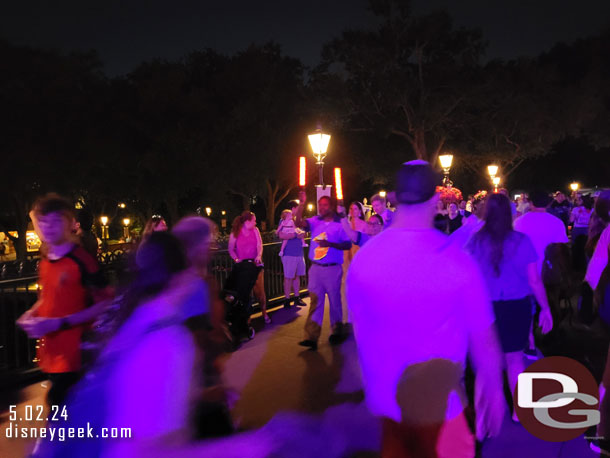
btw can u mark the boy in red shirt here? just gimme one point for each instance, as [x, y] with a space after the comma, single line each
[71, 281]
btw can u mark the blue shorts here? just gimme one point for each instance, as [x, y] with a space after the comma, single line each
[294, 266]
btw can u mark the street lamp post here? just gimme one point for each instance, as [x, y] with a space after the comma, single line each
[446, 160]
[493, 172]
[126, 223]
[104, 221]
[496, 183]
[319, 146]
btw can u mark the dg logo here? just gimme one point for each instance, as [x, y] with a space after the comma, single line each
[557, 399]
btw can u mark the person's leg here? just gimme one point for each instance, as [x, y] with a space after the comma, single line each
[287, 286]
[259, 292]
[333, 288]
[299, 272]
[514, 366]
[317, 293]
[61, 383]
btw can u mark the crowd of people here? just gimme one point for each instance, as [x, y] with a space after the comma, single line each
[430, 289]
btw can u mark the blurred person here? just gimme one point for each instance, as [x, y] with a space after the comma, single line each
[288, 226]
[441, 208]
[454, 219]
[513, 206]
[371, 228]
[543, 229]
[146, 377]
[88, 240]
[356, 221]
[380, 207]
[523, 205]
[508, 262]
[71, 282]
[472, 224]
[598, 278]
[560, 207]
[293, 260]
[155, 224]
[413, 337]
[204, 315]
[328, 240]
[246, 244]
[580, 218]
[463, 209]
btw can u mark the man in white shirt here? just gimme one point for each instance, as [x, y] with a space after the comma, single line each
[541, 227]
[417, 311]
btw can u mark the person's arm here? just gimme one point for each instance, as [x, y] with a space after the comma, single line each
[259, 246]
[535, 281]
[489, 401]
[232, 250]
[300, 222]
[352, 234]
[285, 235]
[278, 232]
[337, 245]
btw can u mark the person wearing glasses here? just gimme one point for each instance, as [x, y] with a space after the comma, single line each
[372, 227]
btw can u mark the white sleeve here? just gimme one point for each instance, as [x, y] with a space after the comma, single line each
[599, 261]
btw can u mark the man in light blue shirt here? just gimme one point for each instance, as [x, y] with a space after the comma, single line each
[328, 241]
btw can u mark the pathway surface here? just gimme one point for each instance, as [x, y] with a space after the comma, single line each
[275, 375]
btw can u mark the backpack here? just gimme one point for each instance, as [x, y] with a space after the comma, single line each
[556, 268]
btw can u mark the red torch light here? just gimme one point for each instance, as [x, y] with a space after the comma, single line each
[338, 185]
[302, 171]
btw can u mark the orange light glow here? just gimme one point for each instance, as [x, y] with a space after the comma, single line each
[302, 171]
[338, 185]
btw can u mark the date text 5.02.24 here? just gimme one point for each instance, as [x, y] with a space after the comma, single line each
[37, 413]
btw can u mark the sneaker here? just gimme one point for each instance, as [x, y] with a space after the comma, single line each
[298, 302]
[287, 303]
[309, 343]
[531, 353]
[600, 446]
[267, 319]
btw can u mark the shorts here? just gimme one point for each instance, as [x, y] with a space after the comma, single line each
[513, 322]
[294, 266]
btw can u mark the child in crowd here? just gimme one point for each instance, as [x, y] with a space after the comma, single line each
[288, 226]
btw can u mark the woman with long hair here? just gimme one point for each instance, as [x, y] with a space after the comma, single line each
[246, 244]
[508, 262]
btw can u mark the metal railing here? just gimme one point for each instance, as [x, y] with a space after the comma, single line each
[17, 352]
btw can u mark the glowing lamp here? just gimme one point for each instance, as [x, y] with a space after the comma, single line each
[122, 205]
[310, 207]
[446, 160]
[104, 220]
[574, 186]
[338, 185]
[126, 222]
[496, 181]
[319, 144]
[492, 170]
[302, 171]
[223, 213]
[208, 211]
[383, 194]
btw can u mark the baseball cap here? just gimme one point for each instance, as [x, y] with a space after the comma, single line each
[416, 182]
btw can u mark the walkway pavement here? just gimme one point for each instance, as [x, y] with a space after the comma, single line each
[274, 375]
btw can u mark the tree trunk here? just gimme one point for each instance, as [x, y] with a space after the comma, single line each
[419, 144]
[274, 197]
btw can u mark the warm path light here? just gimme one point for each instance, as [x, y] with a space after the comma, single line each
[338, 185]
[302, 171]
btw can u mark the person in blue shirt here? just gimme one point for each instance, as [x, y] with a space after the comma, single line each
[328, 241]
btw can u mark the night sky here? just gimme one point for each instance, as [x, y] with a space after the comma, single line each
[126, 32]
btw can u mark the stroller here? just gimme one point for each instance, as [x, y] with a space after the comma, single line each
[237, 298]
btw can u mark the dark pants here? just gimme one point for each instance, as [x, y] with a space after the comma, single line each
[61, 383]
